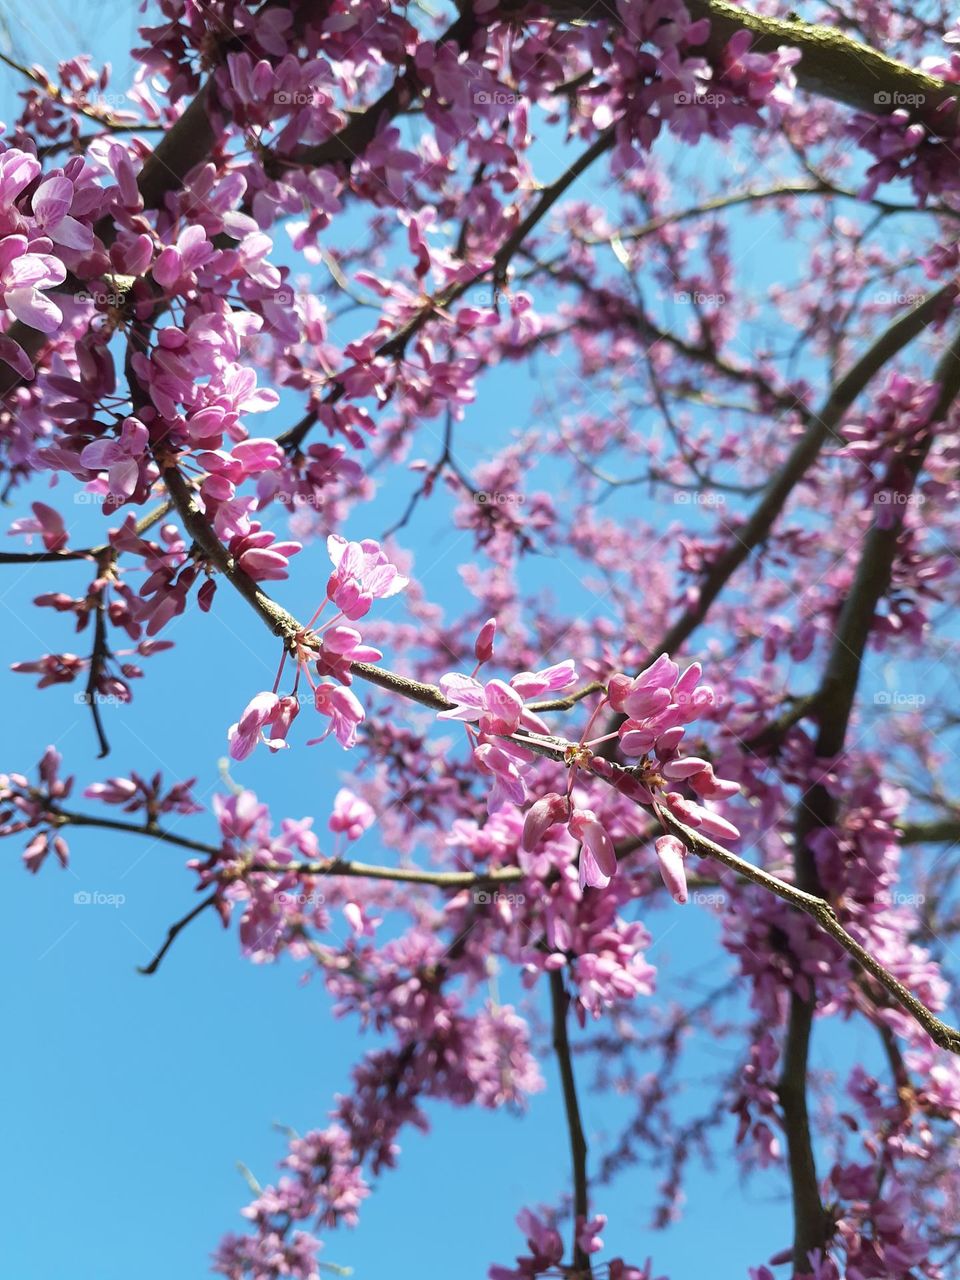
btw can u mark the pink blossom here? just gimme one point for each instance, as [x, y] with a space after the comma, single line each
[541, 816]
[671, 854]
[177, 264]
[260, 555]
[498, 706]
[265, 710]
[362, 573]
[345, 712]
[483, 645]
[351, 815]
[47, 522]
[23, 276]
[123, 459]
[598, 858]
[52, 202]
[588, 1233]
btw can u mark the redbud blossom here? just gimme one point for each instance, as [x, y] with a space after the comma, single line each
[483, 647]
[266, 709]
[671, 854]
[362, 573]
[351, 815]
[541, 816]
[598, 859]
[345, 712]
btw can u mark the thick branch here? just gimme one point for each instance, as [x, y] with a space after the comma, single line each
[832, 65]
[811, 1222]
[822, 426]
[818, 807]
[941, 831]
[571, 1103]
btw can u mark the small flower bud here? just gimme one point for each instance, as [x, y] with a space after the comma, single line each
[541, 816]
[483, 648]
[671, 853]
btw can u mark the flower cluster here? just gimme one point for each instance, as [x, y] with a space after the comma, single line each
[654, 708]
[546, 1251]
[24, 807]
[361, 574]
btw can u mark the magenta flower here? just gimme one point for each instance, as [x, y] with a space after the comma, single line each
[483, 646]
[503, 760]
[122, 458]
[497, 706]
[339, 647]
[137, 793]
[702, 819]
[671, 854]
[598, 858]
[541, 816]
[47, 522]
[22, 277]
[24, 806]
[264, 710]
[345, 712]
[260, 555]
[52, 202]
[588, 1233]
[361, 574]
[351, 815]
[177, 263]
[363, 926]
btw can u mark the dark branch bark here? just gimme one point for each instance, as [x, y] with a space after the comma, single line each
[818, 807]
[832, 65]
[571, 1103]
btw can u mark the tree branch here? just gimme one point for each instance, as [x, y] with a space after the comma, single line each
[823, 426]
[174, 930]
[578, 1142]
[284, 624]
[832, 65]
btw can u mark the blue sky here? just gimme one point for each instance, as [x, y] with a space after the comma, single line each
[128, 1101]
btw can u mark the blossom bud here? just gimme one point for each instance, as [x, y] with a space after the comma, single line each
[483, 648]
[671, 853]
[598, 858]
[541, 816]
